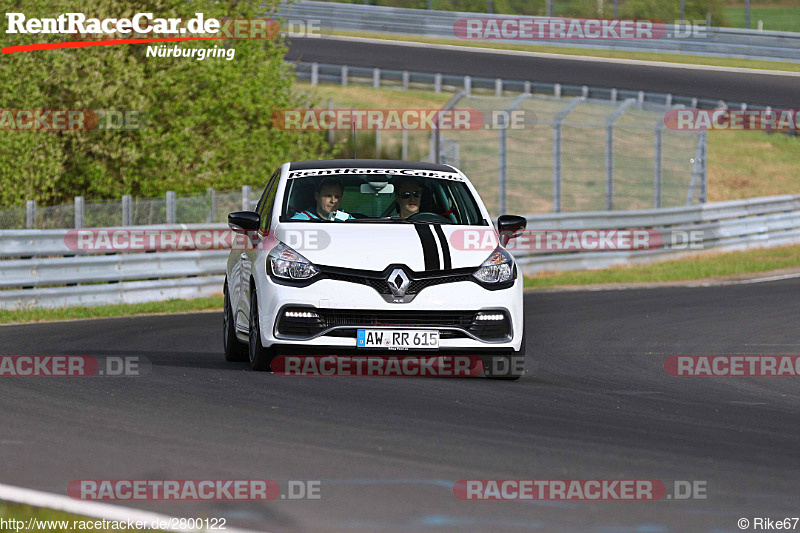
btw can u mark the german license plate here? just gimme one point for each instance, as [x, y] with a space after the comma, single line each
[398, 339]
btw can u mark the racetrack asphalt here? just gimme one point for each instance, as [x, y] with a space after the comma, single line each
[753, 88]
[388, 450]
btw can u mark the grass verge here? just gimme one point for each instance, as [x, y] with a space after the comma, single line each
[589, 52]
[774, 17]
[19, 316]
[54, 521]
[716, 267]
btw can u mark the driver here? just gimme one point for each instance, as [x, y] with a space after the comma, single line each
[408, 195]
[328, 196]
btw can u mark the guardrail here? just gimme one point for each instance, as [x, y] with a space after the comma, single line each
[721, 226]
[724, 42]
[345, 75]
[40, 270]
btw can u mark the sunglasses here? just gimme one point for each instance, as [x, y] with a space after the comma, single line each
[407, 195]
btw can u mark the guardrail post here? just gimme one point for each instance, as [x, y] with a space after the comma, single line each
[468, 85]
[406, 78]
[30, 214]
[613, 95]
[376, 78]
[610, 151]
[170, 207]
[527, 87]
[344, 75]
[640, 99]
[127, 215]
[668, 101]
[212, 210]
[404, 149]
[694, 103]
[437, 83]
[557, 120]
[79, 211]
[557, 90]
[585, 91]
[246, 198]
[378, 143]
[498, 87]
[314, 73]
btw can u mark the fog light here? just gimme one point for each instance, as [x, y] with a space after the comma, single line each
[300, 314]
[485, 316]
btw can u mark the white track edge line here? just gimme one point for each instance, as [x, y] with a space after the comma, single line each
[106, 511]
[641, 62]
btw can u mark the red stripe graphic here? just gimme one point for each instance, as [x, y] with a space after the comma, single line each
[81, 44]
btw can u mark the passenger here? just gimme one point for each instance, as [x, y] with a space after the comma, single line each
[408, 195]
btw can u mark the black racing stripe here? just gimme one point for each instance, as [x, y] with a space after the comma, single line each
[429, 249]
[445, 247]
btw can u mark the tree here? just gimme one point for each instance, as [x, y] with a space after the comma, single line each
[208, 121]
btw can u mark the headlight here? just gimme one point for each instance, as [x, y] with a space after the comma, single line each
[499, 267]
[287, 264]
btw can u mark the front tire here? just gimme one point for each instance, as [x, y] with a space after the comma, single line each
[260, 357]
[235, 351]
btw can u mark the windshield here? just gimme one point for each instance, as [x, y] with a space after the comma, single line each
[383, 198]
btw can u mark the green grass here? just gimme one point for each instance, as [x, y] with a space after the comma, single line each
[19, 316]
[588, 52]
[24, 513]
[706, 267]
[775, 18]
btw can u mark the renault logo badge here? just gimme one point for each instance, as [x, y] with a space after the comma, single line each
[398, 282]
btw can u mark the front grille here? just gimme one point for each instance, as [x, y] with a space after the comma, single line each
[345, 317]
[349, 320]
[379, 282]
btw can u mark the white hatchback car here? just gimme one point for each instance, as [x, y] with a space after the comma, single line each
[347, 255]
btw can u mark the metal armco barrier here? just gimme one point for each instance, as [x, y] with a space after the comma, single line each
[725, 42]
[39, 270]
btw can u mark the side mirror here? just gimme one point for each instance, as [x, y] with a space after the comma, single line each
[244, 221]
[510, 226]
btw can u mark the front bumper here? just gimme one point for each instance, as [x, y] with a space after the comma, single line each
[341, 308]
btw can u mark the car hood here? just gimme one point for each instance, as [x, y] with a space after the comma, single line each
[367, 246]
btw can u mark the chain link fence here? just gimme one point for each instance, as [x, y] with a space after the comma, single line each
[209, 207]
[540, 154]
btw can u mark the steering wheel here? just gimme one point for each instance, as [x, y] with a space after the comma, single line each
[424, 216]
